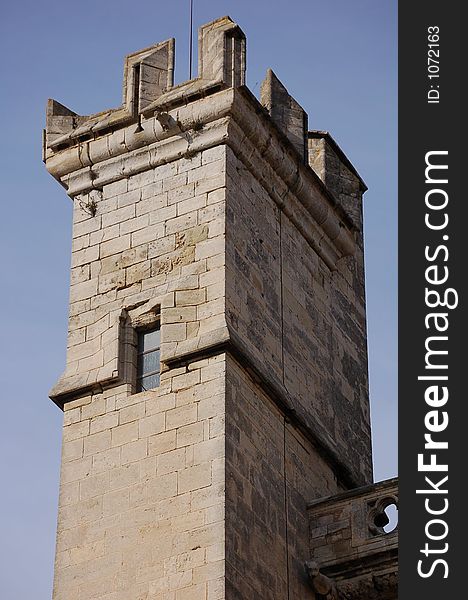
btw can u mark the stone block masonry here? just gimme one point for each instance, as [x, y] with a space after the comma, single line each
[147, 242]
[209, 213]
[349, 545]
[141, 499]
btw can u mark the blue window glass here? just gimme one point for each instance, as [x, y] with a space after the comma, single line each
[148, 364]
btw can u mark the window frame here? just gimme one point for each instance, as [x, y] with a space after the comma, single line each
[140, 373]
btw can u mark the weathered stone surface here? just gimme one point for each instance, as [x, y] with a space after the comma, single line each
[349, 545]
[305, 323]
[193, 207]
[147, 465]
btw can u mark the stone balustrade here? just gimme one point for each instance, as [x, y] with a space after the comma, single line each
[353, 547]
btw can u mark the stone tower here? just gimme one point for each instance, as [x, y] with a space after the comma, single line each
[216, 377]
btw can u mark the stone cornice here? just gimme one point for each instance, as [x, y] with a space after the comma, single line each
[227, 340]
[110, 121]
[164, 141]
[389, 485]
[294, 187]
[220, 341]
[231, 116]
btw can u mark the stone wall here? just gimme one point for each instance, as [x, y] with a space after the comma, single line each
[142, 491]
[304, 323]
[141, 501]
[338, 174]
[351, 545]
[194, 206]
[272, 472]
[155, 242]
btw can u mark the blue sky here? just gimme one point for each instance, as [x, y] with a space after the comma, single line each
[338, 58]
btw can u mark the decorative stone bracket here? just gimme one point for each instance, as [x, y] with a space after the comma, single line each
[321, 584]
[382, 586]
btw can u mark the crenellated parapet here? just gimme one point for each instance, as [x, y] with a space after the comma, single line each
[148, 75]
[159, 123]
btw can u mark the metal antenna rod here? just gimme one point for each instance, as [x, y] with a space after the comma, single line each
[191, 39]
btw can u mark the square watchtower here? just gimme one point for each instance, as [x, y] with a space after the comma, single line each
[216, 375]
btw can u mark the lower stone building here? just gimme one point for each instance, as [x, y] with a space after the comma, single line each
[216, 441]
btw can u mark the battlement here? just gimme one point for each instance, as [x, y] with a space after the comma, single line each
[149, 75]
[162, 122]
